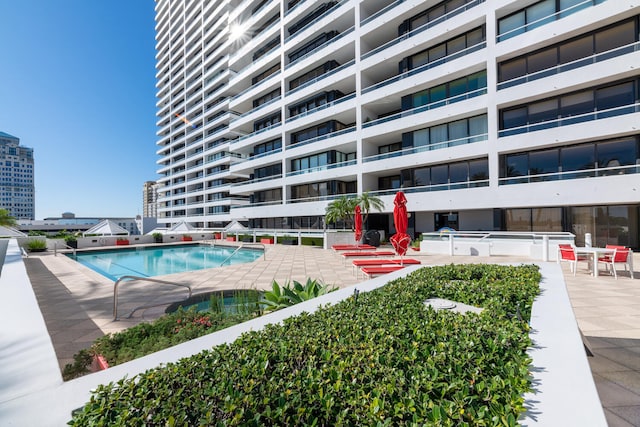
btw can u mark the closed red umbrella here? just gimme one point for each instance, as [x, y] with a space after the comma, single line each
[358, 223]
[401, 239]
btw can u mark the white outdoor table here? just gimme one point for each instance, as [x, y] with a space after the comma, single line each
[594, 254]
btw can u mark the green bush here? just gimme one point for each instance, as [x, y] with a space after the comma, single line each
[380, 358]
[313, 241]
[285, 296]
[36, 245]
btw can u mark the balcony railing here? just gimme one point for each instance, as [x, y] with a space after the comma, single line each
[268, 153]
[547, 19]
[575, 174]
[322, 137]
[256, 180]
[434, 187]
[425, 67]
[322, 46]
[323, 76]
[418, 30]
[320, 198]
[423, 148]
[322, 168]
[566, 121]
[322, 107]
[427, 107]
[243, 137]
[259, 107]
[317, 18]
[593, 59]
[261, 82]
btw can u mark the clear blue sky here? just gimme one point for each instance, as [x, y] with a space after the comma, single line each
[77, 84]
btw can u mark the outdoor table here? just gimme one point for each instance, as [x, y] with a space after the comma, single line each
[594, 254]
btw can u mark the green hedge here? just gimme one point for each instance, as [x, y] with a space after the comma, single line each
[380, 358]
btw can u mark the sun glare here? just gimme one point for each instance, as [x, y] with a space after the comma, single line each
[237, 31]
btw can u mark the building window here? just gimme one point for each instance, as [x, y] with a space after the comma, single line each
[312, 45]
[434, 53]
[446, 90]
[601, 158]
[266, 98]
[267, 147]
[313, 74]
[612, 37]
[314, 102]
[316, 131]
[311, 17]
[539, 14]
[266, 122]
[579, 103]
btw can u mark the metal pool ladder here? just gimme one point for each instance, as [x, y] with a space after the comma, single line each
[146, 279]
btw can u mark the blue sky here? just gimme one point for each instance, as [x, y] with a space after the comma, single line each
[77, 84]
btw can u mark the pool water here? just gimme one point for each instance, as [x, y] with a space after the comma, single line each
[158, 261]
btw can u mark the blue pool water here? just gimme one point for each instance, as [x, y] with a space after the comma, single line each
[157, 261]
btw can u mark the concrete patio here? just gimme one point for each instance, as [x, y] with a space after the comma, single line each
[77, 304]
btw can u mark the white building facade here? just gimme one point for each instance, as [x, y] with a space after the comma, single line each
[17, 188]
[489, 115]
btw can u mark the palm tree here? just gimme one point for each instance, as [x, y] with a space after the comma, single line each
[367, 203]
[340, 210]
[6, 219]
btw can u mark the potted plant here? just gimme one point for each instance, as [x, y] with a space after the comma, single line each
[157, 237]
[71, 241]
[121, 241]
[186, 238]
[37, 245]
[246, 238]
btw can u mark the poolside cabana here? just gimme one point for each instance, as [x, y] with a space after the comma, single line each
[106, 228]
[180, 228]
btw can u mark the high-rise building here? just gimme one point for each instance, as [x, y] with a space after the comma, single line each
[490, 115]
[150, 199]
[17, 189]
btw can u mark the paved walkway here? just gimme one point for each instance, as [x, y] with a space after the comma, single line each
[77, 305]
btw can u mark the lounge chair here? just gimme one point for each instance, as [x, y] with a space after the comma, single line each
[366, 254]
[353, 248]
[382, 262]
[377, 271]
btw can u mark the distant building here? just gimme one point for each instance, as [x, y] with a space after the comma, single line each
[17, 190]
[150, 199]
[69, 222]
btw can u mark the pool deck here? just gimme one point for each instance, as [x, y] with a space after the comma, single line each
[77, 306]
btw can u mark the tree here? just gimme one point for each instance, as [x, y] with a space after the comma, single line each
[340, 210]
[367, 203]
[6, 220]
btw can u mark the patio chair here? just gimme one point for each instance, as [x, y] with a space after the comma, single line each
[620, 255]
[569, 254]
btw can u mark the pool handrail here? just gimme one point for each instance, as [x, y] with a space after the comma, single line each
[55, 249]
[147, 279]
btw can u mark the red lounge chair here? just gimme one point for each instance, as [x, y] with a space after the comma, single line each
[381, 262]
[365, 254]
[353, 248]
[376, 271]
[570, 255]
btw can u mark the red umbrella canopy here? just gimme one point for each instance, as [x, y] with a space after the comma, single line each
[401, 239]
[358, 223]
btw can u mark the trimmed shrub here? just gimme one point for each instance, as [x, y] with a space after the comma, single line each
[377, 358]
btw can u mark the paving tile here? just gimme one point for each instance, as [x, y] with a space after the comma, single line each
[631, 414]
[612, 394]
[614, 420]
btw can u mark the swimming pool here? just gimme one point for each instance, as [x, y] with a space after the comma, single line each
[158, 261]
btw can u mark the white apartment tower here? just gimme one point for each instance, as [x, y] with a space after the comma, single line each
[150, 199]
[490, 115]
[17, 189]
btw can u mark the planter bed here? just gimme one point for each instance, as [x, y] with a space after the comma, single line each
[382, 357]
